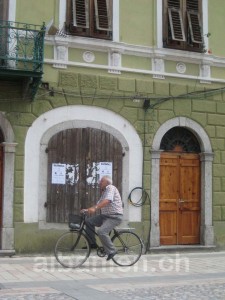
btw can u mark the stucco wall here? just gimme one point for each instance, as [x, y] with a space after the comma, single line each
[117, 94]
[122, 90]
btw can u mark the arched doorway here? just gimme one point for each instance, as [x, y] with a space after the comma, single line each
[77, 116]
[206, 158]
[179, 192]
[1, 185]
[7, 159]
[77, 159]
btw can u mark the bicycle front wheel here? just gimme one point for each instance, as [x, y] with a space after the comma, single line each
[72, 249]
[128, 246]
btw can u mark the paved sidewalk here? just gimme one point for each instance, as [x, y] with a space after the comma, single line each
[156, 276]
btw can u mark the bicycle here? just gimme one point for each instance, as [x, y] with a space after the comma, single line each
[73, 247]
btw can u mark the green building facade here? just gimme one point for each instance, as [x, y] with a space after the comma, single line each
[124, 68]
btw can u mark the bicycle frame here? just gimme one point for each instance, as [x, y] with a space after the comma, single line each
[72, 244]
[83, 230]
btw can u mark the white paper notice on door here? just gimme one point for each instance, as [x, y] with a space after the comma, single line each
[58, 173]
[105, 168]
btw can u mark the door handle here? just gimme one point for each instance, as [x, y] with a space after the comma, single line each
[181, 202]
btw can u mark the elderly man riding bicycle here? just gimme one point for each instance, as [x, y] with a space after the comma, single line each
[111, 207]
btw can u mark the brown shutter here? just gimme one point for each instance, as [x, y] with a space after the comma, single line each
[193, 15]
[103, 14]
[195, 28]
[176, 24]
[182, 24]
[193, 5]
[81, 13]
[175, 19]
[174, 3]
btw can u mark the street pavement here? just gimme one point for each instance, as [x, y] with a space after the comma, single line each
[183, 275]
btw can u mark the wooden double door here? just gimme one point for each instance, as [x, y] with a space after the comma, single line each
[1, 193]
[179, 206]
[77, 158]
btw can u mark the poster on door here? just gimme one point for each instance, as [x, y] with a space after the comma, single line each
[58, 173]
[105, 168]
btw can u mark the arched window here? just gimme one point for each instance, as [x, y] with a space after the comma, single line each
[180, 139]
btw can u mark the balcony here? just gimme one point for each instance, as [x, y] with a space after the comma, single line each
[21, 58]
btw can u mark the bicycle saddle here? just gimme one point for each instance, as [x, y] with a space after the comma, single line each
[74, 226]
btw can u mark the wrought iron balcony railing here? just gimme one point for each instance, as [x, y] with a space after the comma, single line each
[21, 46]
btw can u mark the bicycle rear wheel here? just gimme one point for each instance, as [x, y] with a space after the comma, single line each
[72, 249]
[128, 246]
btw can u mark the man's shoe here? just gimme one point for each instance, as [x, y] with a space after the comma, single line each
[111, 255]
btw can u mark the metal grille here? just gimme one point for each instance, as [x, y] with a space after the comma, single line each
[182, 138]
[21, 46]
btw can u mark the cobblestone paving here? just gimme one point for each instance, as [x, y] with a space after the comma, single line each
[32, 294]
[188, 292]
[36, 297]
[180, 276]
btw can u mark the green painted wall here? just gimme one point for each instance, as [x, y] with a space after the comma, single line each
[36, 12]
[76, 55]
[137, 27]
[216, 27]
[209, 112]
[134, 62]
[191, 69]
[137, 22]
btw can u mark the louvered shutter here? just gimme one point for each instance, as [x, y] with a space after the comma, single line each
[194, 21]
[103, 14]
[176, 24]
[176, 20]
[81, 13]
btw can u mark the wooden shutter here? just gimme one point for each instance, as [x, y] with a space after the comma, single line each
[195, 28]
[176, 24]
[103, 14]
[194, 22]
[81, 13]
[182, 24]
[175, 19]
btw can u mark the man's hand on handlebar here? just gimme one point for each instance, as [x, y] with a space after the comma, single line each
[90, 210]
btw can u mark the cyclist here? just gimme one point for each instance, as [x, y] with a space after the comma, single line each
[111, 207]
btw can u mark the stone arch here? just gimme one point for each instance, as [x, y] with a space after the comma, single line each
[207, 232]
[78, 116]
[7, 242]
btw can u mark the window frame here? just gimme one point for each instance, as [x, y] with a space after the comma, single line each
[191, 35]
[93, 19]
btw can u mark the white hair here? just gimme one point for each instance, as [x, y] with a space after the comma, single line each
[108, 179]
